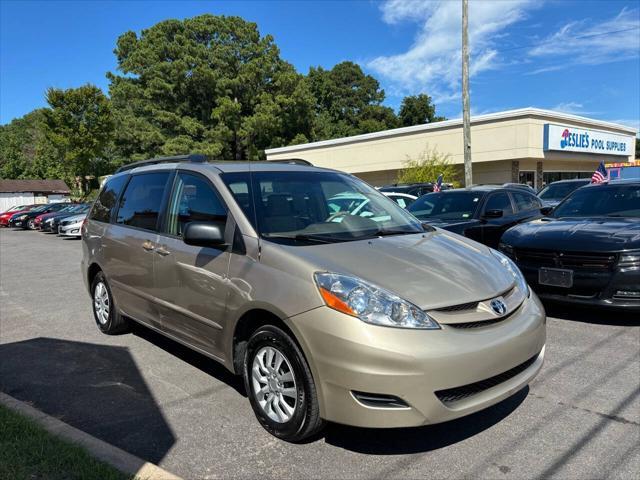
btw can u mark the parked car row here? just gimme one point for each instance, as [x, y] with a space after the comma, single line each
[65, 219]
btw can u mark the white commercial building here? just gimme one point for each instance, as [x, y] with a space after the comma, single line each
[528, 145]
[28, 192]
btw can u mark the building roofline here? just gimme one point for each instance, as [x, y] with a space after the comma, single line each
[508, 114]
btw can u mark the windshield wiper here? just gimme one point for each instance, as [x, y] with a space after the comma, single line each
[303, 237]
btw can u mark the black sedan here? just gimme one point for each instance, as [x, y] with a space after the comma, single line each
[587, 250]
[555, 192]
[26, 220]
[481, 213]
[50, 224]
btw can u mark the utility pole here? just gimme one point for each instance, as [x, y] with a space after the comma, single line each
[466, 120]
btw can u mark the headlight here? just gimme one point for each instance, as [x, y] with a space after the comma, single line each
[369, 303]
[21, 217]
[513, 270]
[629, 259]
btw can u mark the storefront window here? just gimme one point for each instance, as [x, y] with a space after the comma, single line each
[527, 178]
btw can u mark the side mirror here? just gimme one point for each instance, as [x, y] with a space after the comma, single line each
[493, 214]
[204, 234]
[546, 210]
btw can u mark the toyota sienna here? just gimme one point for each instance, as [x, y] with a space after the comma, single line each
[372, 320]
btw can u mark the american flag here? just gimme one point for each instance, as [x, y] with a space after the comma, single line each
[438, 186]
[600, 175]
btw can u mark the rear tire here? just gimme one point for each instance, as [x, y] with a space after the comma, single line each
[280, 386]
[105, 313]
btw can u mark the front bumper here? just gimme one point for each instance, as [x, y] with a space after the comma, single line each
[592, 288]
[71, 230]
[347, 355]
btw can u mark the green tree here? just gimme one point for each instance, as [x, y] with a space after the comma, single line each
[208, 84]
[80, 126]
[417, 110]
[427, 167]
[347, 102]
[25, 149]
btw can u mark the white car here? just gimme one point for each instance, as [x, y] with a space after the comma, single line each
[402, 199]
[357, 204]
[71, 226]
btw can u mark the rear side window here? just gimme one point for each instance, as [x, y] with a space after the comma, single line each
[525, 201]
[106, 202]
[499, 201]
[193, 200]
[140, 203]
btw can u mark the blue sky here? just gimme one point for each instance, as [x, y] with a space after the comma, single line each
[581, 57]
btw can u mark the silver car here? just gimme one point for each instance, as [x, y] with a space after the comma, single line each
[71, 226]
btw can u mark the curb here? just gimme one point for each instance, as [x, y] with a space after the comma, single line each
[114, 456]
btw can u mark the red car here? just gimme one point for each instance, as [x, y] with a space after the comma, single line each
[5, 216]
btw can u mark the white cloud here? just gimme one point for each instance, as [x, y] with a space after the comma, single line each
[433, 63]
[574, 108]
[588, 42]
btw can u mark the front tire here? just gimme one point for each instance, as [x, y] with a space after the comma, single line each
[105, 313]
[31, 224]
[280, 386]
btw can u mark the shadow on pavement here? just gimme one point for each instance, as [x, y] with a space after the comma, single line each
[193, 358]
[421, 439]
[95, 388]
[592, 315]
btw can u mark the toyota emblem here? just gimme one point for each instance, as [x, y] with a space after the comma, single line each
[498, 306]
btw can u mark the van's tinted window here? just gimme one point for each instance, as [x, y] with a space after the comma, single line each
[499, 201]
[141, 200]
[106, 202]
[193, 200]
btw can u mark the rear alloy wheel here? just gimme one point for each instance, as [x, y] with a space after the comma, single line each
[107, 318]
[280, 386]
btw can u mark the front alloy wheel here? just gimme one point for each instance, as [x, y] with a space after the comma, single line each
[274, 384]
[280, 386]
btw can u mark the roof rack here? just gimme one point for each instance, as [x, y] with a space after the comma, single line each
[195, 158]
[294, 161]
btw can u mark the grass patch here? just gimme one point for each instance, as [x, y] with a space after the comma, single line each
[29, 452]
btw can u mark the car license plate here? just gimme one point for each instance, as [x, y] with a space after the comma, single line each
[555, 277]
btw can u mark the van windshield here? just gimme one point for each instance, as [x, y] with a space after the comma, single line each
[316, 207]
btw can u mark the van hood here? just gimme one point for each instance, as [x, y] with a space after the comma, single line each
[597, 234]
[431, 270]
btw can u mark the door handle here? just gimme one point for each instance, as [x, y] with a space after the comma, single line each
[162, 251]
[147, 245]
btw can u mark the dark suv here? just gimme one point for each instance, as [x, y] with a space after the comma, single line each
[482, 213]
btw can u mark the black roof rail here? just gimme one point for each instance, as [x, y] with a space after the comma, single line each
[294, 161]
[195, 158]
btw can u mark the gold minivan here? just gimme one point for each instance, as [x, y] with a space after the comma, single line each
[332, 302]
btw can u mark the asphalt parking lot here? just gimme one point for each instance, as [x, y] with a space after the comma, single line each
[580, 418]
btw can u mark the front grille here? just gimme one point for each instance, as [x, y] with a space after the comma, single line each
[452, 395]
[478, 324]
[561, 259]
[458, 308]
